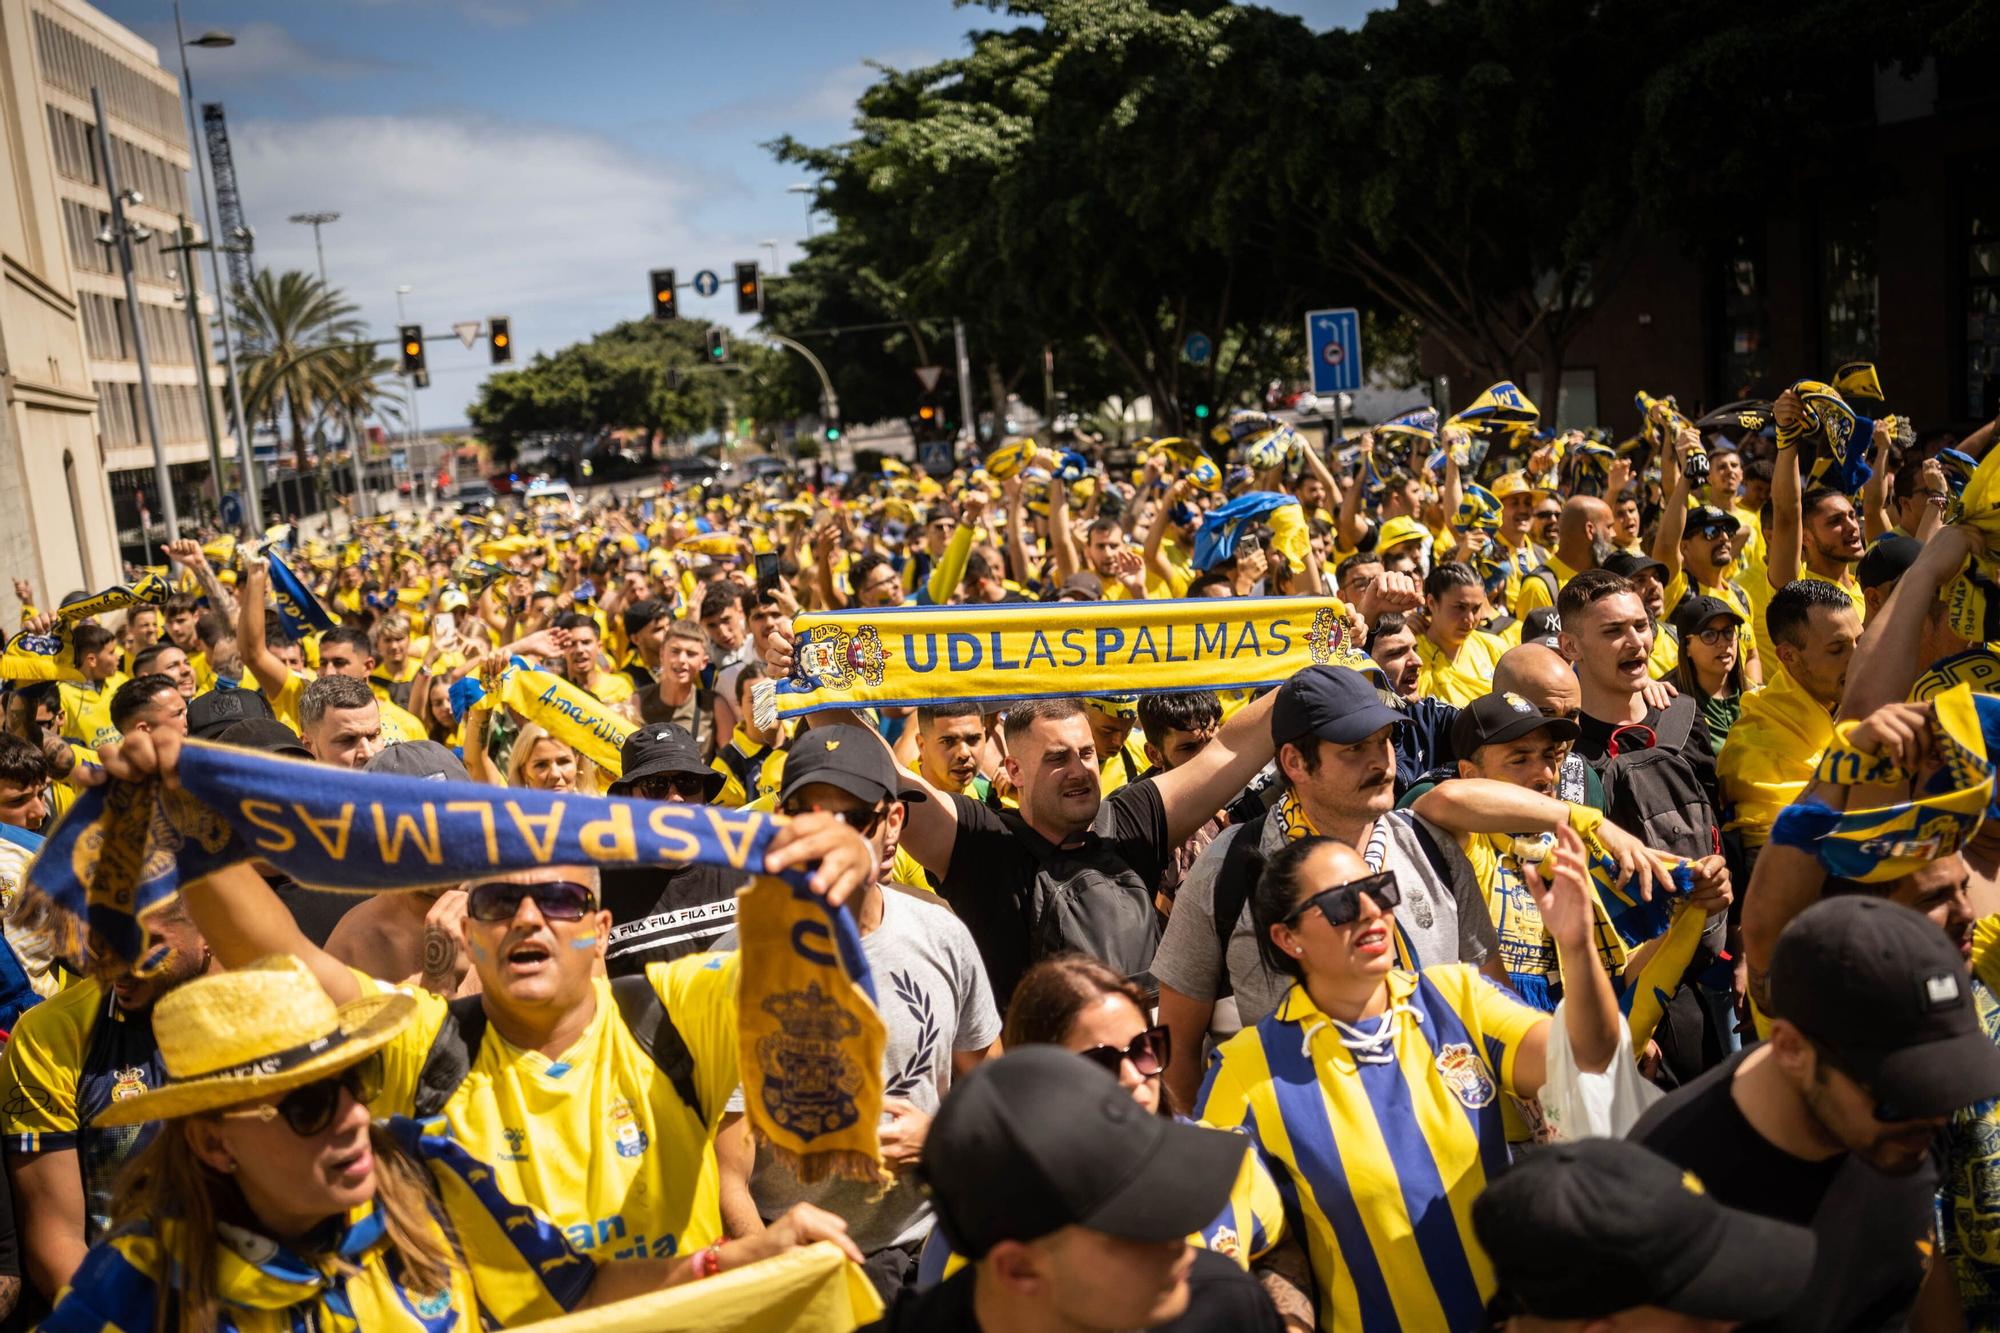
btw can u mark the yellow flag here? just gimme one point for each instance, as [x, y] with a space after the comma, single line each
[810, 1290]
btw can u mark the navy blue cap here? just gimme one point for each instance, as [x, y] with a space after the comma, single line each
[1334, 703]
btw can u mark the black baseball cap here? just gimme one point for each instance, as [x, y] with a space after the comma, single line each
[661, 748]
[1504, 716]
[266, 734]
[1586, 1228]
[1630, 565]
[850, 759]
[1885, 994]
[1334, 703]
[1691, 617]
[1041, 1139]
[418, 759]
[211, 714]
[1887, 560]
[1702, 515]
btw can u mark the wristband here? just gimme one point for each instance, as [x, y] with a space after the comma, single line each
[708, 1262]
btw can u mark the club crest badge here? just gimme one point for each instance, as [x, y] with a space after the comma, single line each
[810, 1080]
[1465, 1076]
[1223, 1241]
[1326, 636]
[829, 657]
[127, 1083]
[626, 1136]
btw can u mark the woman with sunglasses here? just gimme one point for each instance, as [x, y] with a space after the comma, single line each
[270, 1200]
[1373, 1092]
[1711, 662]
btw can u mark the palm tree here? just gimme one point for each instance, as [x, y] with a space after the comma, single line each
[353, 389]
[295, 330]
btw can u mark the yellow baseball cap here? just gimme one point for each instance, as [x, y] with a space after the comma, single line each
[1396, 531]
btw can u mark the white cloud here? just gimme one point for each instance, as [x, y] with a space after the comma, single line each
[554, 227]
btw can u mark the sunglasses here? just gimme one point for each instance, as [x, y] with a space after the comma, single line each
[1711, 531]
[309, 1110]
[1547, 515]
[1148, 1052]
[1341, 904]
[692, 787]
[864, 822]
[557, 900]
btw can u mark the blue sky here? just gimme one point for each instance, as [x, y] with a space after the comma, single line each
[535, 158]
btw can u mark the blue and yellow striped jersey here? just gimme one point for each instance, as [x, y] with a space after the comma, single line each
[1379, 1162]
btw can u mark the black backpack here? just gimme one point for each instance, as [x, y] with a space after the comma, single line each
[1652, 790]
[1095, 910]
[456, 1045]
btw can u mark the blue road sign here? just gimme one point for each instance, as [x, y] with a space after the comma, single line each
[934, 457]
[1333, 343]
[706, 283]
[231, 510]
[1197, 348]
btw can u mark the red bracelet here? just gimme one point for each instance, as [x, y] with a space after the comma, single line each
[709, 1261]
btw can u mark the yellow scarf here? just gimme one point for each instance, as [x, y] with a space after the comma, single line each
[1771, 753]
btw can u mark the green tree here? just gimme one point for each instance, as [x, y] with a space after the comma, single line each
[295, 332]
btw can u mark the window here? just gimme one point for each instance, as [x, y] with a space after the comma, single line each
[1849, 328]
[1742, 359]
[1982, 291]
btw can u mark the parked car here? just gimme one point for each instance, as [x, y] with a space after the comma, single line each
[690, 472]
[474, 497]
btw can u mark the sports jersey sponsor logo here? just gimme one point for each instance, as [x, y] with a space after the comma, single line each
[517, 1144]
[1464, 1075]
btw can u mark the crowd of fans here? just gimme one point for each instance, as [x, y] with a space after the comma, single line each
[1469, 981]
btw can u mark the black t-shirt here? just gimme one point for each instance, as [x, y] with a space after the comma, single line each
[990, 882]
[317, 911]
[1222, 1298]
[1872, 1229]
[659, 914]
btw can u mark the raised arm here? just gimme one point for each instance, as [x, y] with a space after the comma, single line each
[1017, 529]
[1674, 515]
[1062, 538]
[1875, 491]
[272, 674]
[1787, 517]
[950, 570]
[1156, 532]
[1886, 663]
[1349, 526]
[1197, 789]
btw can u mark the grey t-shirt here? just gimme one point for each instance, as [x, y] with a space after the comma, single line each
[934, 1001]
[1444, 923]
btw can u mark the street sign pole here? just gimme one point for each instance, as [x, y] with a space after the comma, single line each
[965, 385]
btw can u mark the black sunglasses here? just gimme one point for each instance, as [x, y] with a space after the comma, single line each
[309, 1110]
[1710, 531]
[864, 822]
[1341, 904]
[691, 787]
[1148, 1052]
[557, 900]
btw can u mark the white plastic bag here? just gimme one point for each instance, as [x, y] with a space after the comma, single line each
[1579, 1105]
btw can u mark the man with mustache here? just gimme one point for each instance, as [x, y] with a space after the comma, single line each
[1335, 751]
[1585, 542]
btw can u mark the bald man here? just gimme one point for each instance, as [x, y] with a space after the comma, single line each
[1584, 541]
[1546, 680]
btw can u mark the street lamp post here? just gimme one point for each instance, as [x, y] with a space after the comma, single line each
[808, 191]
[119, 236]
[316, 221]
[185, 248]
[246, 458]
[772, 246]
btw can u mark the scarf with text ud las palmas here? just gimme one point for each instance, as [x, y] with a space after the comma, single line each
[914, 656]
[298, 610]
[1888, 842]
[52, 656]
[811, 1038]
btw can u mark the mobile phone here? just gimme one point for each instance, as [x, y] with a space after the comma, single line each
[445, 626]
[767, 565]
[1250, 543]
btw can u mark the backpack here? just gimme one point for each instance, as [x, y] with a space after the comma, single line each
[1089, 910]
[456, 1045]
[1242, 865]
[1545, 576]
[1651, 789]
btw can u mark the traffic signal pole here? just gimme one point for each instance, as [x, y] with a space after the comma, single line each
[829, 402]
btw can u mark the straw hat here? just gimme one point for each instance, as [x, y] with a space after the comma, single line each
[242, 1036]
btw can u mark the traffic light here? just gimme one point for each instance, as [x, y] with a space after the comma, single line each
[718, 345]
[664, 304]
[749, 291]
[500, 340]
[832, 432]
[412, 338]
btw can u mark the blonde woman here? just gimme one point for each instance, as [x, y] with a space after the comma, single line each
[540, 762]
